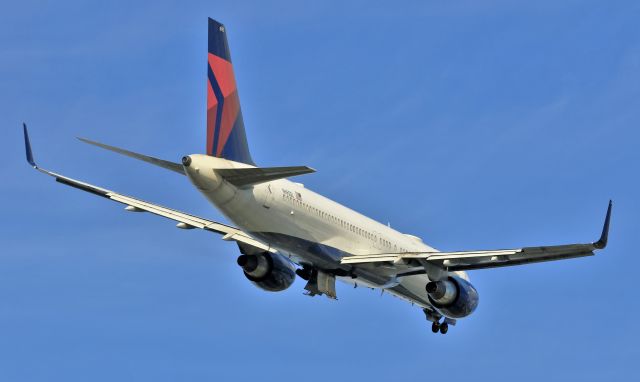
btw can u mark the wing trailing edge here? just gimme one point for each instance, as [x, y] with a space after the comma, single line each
[410, 263]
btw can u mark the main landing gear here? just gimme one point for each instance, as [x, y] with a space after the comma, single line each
[442, 328]
[436, 325]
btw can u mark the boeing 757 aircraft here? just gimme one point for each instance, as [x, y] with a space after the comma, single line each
[283, 229]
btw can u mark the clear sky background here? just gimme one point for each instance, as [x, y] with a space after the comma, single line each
[474, 124]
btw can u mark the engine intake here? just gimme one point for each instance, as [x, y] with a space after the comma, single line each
[270, 272]
[453, 297]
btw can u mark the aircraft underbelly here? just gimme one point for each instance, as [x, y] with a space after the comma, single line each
[305, 241]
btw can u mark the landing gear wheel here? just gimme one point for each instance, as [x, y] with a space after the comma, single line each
[435, 327]
[444, 328]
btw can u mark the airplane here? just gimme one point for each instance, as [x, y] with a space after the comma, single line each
[283, 229]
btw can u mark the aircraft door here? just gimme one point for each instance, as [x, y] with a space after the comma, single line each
[377, 241]
[267, 200]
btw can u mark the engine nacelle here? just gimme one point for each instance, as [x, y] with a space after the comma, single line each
[268, 271]
[453, 297]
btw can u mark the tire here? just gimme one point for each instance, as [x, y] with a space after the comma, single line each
[435, 327]
[444, 328]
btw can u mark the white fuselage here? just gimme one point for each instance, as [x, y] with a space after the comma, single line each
[309, 228]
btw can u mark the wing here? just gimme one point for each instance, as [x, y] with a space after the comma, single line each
[414, 262]
[185, 221]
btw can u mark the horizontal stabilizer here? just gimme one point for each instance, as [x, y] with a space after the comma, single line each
[177, 167]
[244, 177]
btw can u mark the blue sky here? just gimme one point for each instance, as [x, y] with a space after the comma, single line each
[472, 124]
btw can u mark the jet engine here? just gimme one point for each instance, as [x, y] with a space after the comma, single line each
[454, 297]
[268, 271]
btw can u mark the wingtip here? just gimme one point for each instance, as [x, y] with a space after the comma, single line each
[604, 237]
[90, 142]
[27, 146]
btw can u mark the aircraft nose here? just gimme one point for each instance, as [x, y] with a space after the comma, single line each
[186, 161]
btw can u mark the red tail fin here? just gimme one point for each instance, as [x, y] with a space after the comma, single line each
[226, 137]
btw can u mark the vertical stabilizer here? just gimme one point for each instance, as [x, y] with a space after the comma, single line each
[226, 137]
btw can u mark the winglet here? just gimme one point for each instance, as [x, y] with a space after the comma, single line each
[27, 146]
[602, 242]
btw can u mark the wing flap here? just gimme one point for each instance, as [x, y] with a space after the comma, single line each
[461, 261]
[397, 257]
[510, 258]
[231, 233]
